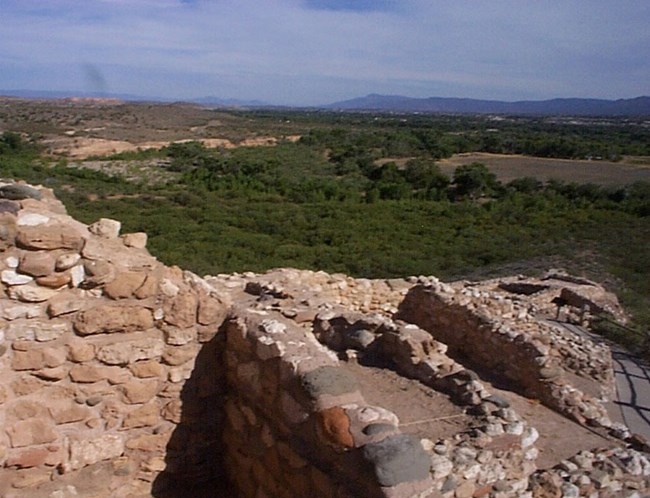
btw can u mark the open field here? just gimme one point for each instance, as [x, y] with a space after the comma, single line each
[509, 167]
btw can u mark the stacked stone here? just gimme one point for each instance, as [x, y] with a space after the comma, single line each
[318, 290]
[97, 343]
[298, 425]
[599, 473]
[493, 459]
[471, 323]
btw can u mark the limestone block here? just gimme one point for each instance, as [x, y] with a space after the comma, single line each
[25, 386]
[65, 302]
[37, 359]
[66, 261]
[178, 355]
[127, 352]
[147, 369]
[10, 277]
[31, 432]
[176, 336]
[181, 310]
[37, 263]
[151, 443]
[211, 310]
[137, 240]
[31, 293]
[12, 311]
[80, 351]
[125, 284]
[49, 237]
[111, 319]
[145, 416]
[172, 411]
[24, 409]
[139, 391]
[86, 374]
[50, 330]
[57, 373]
[98, 272]
[90, 451]
[68, 411]
[149, 287]
[106, 228]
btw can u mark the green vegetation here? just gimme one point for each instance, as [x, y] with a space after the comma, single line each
[363, 195]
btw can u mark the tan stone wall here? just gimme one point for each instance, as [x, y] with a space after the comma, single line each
[105, 356]
[518, 347]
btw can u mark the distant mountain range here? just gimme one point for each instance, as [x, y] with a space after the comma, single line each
[639, 106]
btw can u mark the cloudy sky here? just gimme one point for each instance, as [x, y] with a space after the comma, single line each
[307, 52]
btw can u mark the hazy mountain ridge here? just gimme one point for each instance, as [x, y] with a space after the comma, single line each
[639, 106]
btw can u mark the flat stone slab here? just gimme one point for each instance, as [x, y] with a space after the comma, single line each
[397, 459]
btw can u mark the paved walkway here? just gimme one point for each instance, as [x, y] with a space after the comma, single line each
[632, 384]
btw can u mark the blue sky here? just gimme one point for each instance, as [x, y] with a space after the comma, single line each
[307, 52]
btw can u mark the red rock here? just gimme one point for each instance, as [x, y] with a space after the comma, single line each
[334, 427]
[55, 280]
[32, 457]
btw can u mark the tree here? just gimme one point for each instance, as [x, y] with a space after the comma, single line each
[474, 180]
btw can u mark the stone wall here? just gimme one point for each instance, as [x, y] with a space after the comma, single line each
[489, 332]
[105, 355]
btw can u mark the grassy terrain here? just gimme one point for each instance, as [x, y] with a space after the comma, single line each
[366, 195]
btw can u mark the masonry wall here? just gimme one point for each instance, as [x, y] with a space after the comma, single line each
[105, 356]
[517, 347]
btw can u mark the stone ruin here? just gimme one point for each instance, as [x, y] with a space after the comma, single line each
[124, 378]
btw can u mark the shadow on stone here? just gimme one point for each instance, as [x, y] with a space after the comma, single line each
[194, 456]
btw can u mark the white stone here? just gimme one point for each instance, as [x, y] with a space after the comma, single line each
[107, 228]
[90, 451]
[10, 277]
[168, 288]
[31, 293]
[77, 275]
[273, 327]
[48, 331]
[13, 311]
[530, 436]
[12, 262]
[31, 219]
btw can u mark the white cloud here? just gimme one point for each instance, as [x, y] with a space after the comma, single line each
[309, 50]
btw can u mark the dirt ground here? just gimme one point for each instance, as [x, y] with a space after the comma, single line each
[426, 413]
[509, 167]
[422, 411]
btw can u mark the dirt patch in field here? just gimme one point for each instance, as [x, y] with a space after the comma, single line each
[510, 167]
